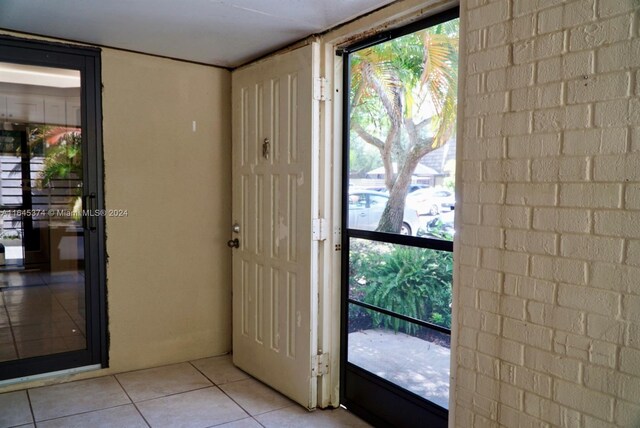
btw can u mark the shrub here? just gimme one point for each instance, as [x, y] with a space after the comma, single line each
[411, 281]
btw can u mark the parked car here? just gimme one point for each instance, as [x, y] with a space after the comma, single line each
[414, 187]
[431, 201]
[365, 211]
[440, 227]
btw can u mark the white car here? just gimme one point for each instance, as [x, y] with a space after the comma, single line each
[441, 227]
[365, 211]
[431, 201]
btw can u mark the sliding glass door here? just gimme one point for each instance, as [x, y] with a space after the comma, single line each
[51, 233]
[398, 206]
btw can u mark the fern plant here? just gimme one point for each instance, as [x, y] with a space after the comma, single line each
[414, 282]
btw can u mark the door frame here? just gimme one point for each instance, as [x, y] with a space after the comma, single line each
[385, 401]
[87, 60]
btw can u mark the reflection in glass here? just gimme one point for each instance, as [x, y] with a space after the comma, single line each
[402, 130]
[417, 359]
[42, 287]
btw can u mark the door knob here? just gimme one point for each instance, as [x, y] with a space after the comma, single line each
[233, 243]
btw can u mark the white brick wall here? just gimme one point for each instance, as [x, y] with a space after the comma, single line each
[548, 249]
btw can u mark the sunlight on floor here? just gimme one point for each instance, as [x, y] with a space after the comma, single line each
[417, 365]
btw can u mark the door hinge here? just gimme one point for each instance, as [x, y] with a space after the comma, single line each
[321, 89]
[319, 229]
[320, 364]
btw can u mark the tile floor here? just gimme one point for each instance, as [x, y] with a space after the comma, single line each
[202, 393]
[41, 313]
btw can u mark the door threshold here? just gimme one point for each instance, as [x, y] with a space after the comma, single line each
[49, 375]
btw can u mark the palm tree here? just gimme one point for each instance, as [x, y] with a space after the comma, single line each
[62, 150]
[403, 102]
[63, 159]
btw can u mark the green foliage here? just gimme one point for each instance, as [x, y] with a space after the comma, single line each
[62, 149]
[64, 160]
[449, 183]
[436, 229]
[362, 158]
[403, 102]
[10, 235]
[413, 76]
[358, 261]
[411, 281]
[36, 139]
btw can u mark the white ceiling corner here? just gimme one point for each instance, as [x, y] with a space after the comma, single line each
[226, 33]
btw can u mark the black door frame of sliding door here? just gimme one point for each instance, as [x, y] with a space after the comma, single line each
[87, 61]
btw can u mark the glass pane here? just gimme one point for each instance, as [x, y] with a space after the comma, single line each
[413, 357]
[411, 281]
[402, 134]
[42, 288]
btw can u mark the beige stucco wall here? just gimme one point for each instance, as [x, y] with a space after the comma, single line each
[169, 269]
[169, 278]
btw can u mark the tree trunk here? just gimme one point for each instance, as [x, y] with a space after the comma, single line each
[393, 214]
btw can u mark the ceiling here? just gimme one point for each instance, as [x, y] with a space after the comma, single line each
[227, 33]
[40, 76]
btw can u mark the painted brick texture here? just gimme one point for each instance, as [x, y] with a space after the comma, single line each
[548, 245]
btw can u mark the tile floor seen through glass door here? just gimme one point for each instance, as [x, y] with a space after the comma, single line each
[41, 313]
[202, 393]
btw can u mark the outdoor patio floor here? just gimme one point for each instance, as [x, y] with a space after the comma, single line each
[417, 365]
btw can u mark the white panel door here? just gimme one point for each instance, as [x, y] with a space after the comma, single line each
[275, 153]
